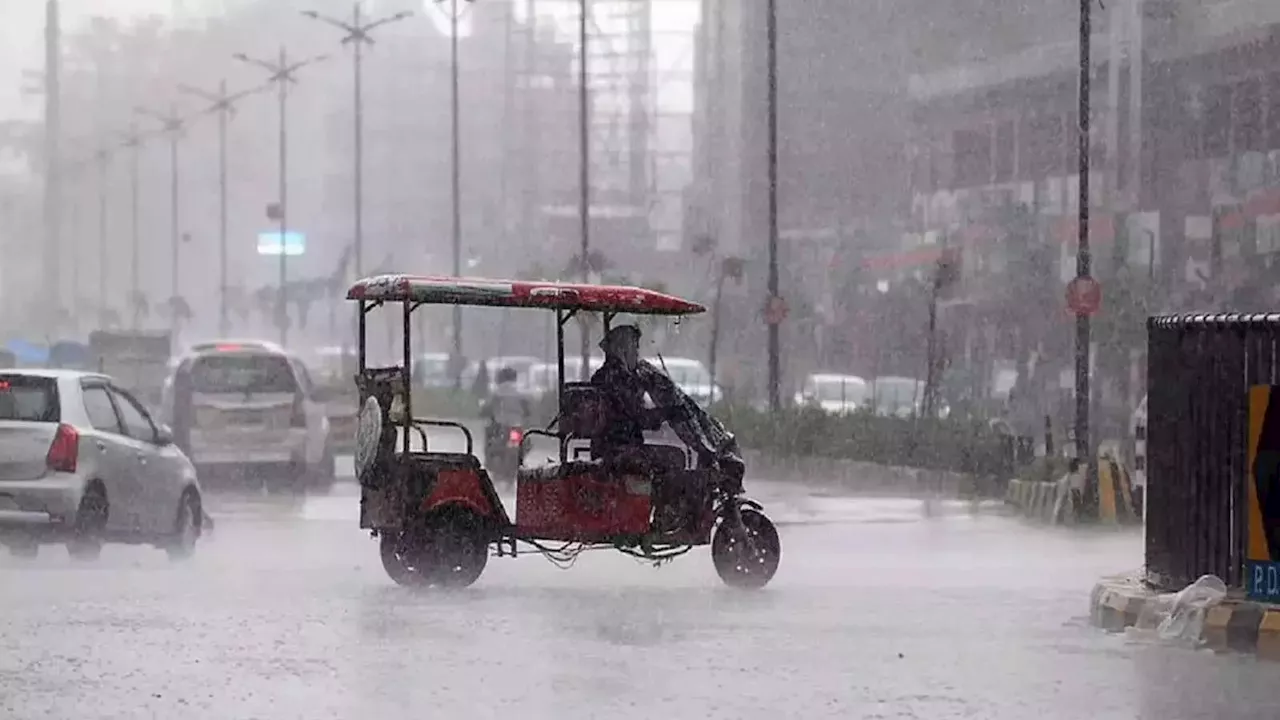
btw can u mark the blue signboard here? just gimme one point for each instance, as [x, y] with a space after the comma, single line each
[295, 243]
[1263, 580]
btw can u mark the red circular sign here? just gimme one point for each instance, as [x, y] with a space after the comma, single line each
[775, 310]
[1084, 295]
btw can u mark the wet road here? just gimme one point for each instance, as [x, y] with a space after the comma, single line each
[879, 611]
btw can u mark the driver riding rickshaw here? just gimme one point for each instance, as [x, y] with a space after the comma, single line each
[437, 514]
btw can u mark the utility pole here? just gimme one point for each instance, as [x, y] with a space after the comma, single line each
[454, 15]
[134, 142]
[222, 106]
[357, 36]
[52, 137]
[584, 172]
[172, 126]
[104, 167]
[775, 395]
[1083, 259]
[282, 73]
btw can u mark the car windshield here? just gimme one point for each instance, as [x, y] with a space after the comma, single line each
[29, 399]
[840, 390]
[243, 373]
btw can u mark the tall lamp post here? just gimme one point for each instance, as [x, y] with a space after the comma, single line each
[282, 73]
[223, 106]
[52, 136]
[456, 180]
[172, 125]
[357, 36]
[1083, 258]
[103, 161]
[133, 141]
[775, 395]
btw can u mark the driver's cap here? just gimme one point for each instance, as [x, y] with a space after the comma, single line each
[620, 334]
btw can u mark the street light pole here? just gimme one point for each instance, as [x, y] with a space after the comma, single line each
[173, 126]
[52, 137]
[104, 160]
[134, 142]
[282, 311]
[1083, 258]
[222, 105]
[775, 395]
[456, 181]
[357, 35]
[282, 73]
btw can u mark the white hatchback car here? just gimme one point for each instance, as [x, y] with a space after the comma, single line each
[82, 462]
[250, 410]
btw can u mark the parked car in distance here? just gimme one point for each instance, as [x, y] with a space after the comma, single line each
[691, 376]
[251, 410]
[431, 370]
[903, 397]
[834, 393]
[82, 462]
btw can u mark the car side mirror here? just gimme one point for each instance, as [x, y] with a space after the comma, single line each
[164, 435]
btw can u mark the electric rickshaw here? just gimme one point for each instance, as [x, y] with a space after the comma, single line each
[437, 515]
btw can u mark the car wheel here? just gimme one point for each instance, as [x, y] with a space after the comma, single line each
[326, 474]
[186, 527]
[90, 525]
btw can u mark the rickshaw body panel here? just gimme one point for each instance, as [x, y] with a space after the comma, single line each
[581, 502]
[463, 487]
[425, 483]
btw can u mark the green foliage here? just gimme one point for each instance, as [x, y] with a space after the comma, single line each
[968, 446]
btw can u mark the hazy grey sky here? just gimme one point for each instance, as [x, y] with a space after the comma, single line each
[22, 33]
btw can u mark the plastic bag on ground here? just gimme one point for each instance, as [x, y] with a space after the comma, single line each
[1181, 615]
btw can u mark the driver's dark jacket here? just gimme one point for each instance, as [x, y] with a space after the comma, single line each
[626, 417]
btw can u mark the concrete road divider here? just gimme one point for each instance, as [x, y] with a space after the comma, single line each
[1046, 502]
[1232, 625]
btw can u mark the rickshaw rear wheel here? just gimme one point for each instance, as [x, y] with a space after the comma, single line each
[747, 556]
[397, 559]
[458, 546]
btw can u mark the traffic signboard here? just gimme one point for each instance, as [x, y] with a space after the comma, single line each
[775, 310]
[1084, 295]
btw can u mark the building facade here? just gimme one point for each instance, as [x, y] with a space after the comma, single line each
[1184, 179]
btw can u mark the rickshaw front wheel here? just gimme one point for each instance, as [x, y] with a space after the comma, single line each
[746, 556]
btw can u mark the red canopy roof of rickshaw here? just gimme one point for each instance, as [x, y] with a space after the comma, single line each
[443, 290]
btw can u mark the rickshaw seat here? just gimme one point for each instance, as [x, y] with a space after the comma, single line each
[556, 471]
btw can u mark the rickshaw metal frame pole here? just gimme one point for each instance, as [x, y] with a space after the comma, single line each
[360, 338]
[561, 319]
[407, 342]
